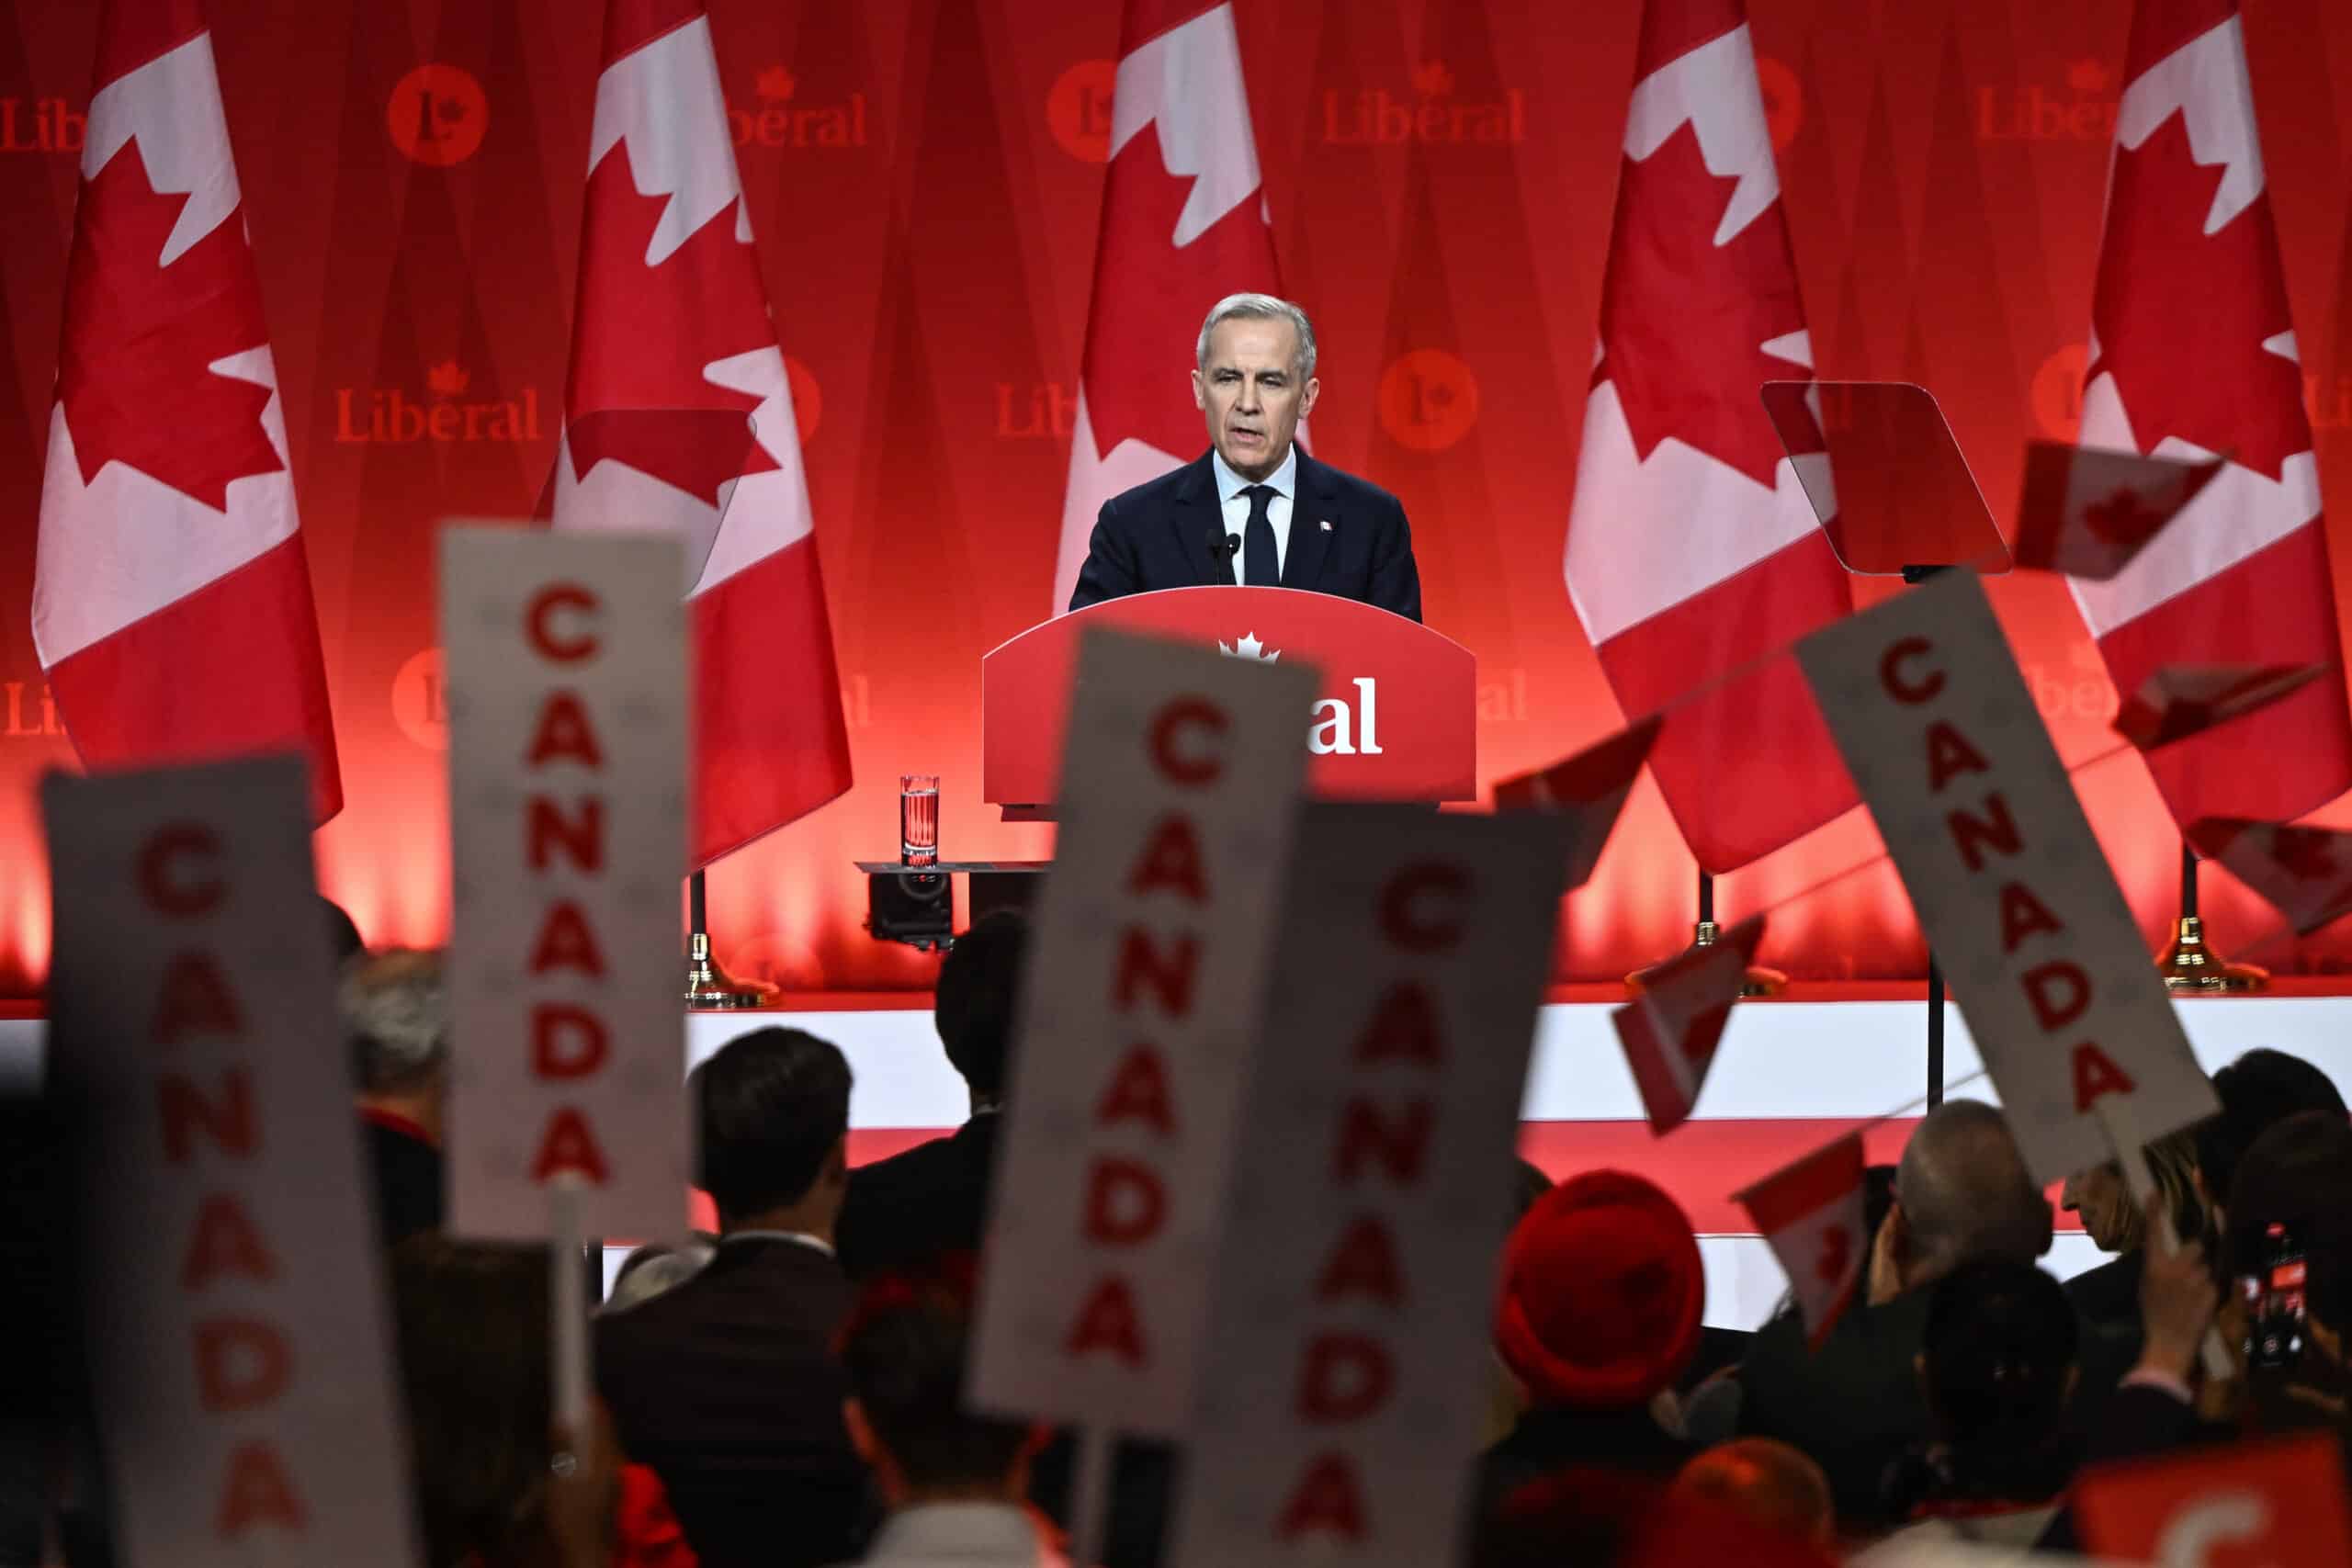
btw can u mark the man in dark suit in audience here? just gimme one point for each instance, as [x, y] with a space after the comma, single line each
[727, 1385]
[904, 1212]
[396, 1022]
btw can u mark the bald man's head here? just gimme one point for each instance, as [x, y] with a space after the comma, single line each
[1965, 1193]
[1766, 1482]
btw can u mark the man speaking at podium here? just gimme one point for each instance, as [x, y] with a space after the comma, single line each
[1255, 509]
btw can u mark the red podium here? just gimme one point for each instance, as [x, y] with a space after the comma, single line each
[1396, 718]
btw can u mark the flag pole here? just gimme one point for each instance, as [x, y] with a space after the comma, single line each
[709, 988]
[1759, 982]
[2190, 965]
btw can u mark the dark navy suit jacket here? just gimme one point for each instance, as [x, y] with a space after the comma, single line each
[1157, 536]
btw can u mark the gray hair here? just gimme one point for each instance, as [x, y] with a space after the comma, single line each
[395, 1008]
[1260, 308]
[1966, 1193]
[654, 1269]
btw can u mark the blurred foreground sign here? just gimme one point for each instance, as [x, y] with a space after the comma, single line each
[234, 1295]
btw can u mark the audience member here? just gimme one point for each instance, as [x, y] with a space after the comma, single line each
[1766, 1482]
[954, 1482]
[1961, 1192]
[650, 1269]
[727, 1384]
[343, 931]
[2258, 1091]
[2108, 1296]
[396, 1022]
[906, 1212]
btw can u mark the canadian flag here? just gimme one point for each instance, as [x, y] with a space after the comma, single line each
[2193, 356]
[1183, 225]
[678, 417]
[1670, 1030]
[1691, 550]
[172, 604]
[1812, 1213]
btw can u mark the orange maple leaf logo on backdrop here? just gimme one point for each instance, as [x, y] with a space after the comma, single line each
[1684, 320]
[2182, 315]
[133, 370]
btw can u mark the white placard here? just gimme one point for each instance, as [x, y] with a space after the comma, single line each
[235, 1297]
[1346, 1394]
[1146, 982]
[1932, 715]
[568, 748]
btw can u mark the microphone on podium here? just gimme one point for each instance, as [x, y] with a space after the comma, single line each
[1225, 547]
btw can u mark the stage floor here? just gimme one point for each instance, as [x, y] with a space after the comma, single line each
[1791, 1073]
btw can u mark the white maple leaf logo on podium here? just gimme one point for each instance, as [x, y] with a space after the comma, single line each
[1248, 648]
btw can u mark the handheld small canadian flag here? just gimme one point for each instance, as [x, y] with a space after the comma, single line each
[1593, 784]
[2086, 512]
[1812, 1213]
[2304, 873]
[1670, 1030]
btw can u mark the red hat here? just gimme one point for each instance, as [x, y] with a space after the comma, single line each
[1602, 1294]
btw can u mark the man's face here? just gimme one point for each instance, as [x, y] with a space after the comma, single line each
[2100, 1196]
[1253, 393]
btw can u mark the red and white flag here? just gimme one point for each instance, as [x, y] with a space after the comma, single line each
[172, 602]
[1812, 1213]
[1691, 549]
[2193, 356]
[1183, 225]
[1670, 1030]
[679, 418]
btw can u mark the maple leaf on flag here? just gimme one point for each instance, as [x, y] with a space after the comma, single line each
[2182, 315]
[1683, 321]
[664, 327]
[1151, 295]
[2179, 700]
[134, 371]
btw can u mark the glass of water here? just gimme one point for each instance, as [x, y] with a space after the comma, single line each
[919, 819]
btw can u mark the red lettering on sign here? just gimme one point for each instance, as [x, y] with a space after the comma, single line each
[1107, 1322]
[229, 1123]
[1169, 976]
[1997, 828]
[583, 840]
[568, 1144]
[540, 619]
[195, 1002]
[2097, 1074]
[1901, 687]
[563, 733]
[1949, 755]
[1171, 859]
[1362, 1264]
[1327, 1501]
[2058, 991]
[1406, 919]
[1403, 1027]
[2022, 914]
[225, 1243]
[1346, 1376]
[565, 941]
[1138, 1092]
[239, 1362]
[257, 1492]
[1363, 1134]
[169, 890]
[1126, 1202]
[567, 1040]
[1182, 763]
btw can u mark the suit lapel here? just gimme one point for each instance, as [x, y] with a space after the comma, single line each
[1314, 506]
[1194, 513]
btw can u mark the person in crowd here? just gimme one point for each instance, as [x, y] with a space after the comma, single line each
[906, 1212]
[654, 1268]
[2108, 1295]
[954, 1482]
[1602, 1294]
[1961, 1192]
[1997, 1368]
[2258, 1091]
[493, 1489]
[343, 931]
[396, 1022]
[1767, 1481]
[727, 1384]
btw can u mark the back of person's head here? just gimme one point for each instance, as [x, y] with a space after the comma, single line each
[979, 998]
[1965, 1193]
[2258, 1091]
[652, 1270]
[2298, 1176]
[471, 1326]
[1767, 1481]
[773, 1111]
[395, 1008]
[343, 931]
[904, 1349]
[1602, 1290]
[1996, 1357]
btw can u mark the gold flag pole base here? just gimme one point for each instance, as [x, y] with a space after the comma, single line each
[2192, 968]
[1760, 981]
[710, 988]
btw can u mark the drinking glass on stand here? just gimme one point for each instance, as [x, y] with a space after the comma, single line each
[919, 820]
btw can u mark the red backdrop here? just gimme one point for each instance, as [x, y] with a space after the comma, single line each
[923, 177]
